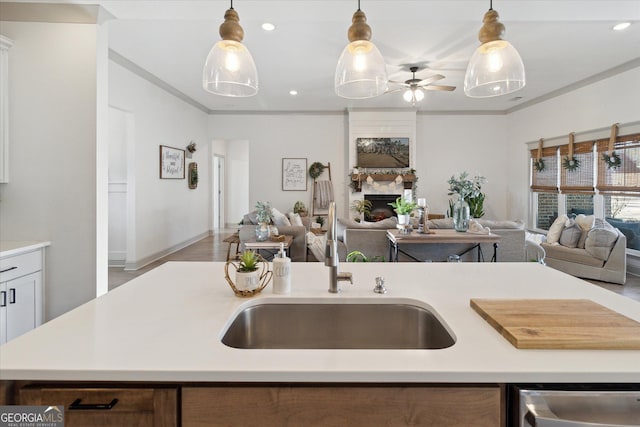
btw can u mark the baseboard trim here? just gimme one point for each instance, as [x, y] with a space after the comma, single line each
[133, 266]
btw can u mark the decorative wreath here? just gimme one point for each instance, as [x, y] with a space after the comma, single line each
[315, 170]
[538, 165]
[570, 164]
[612, 161]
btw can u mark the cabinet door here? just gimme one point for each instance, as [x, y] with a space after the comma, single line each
[20, 304]
[337, 405]
[106, 406]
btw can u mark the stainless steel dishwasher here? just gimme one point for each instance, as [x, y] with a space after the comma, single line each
[577, 407]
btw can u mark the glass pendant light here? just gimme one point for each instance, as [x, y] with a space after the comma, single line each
[361, 71]
[229, 69]
[495, 67]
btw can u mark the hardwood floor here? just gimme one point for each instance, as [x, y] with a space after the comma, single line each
[213, 248]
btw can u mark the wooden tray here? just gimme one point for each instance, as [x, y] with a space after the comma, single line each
[559, 324]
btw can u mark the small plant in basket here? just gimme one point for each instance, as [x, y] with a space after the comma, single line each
[248, 262]
[247, 275]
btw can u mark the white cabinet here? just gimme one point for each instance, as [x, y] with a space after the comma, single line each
[21, 291]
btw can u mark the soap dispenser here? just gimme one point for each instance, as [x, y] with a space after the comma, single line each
[281, 273]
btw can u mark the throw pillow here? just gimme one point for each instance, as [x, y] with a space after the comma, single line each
[295, 219]
[600, 241]
[585, 222]
[555, 231]
[279, 219]
[570, 235]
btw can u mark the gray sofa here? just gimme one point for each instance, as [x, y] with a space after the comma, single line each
[607, 265]
[298, 249]
[371, 240]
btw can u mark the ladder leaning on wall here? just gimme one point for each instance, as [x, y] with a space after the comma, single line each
[322, 193]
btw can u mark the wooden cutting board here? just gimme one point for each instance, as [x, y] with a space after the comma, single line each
[559, 324]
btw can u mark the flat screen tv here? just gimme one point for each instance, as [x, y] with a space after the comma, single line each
[382, 152]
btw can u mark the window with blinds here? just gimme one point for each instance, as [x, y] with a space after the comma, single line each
[624, 179]
[581, 179]
[545, 181]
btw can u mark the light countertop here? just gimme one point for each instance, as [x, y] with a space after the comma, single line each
[12, 247]
[166, 325]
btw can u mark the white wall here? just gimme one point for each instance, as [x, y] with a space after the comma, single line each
[450, 144]
[316, 137]
[599, 105]
[445, 145]
[51, 195]
[167, 213]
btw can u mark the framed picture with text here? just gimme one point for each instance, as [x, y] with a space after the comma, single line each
[294, 174]
[171, 163]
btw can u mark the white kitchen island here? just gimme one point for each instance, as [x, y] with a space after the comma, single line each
[165, 327]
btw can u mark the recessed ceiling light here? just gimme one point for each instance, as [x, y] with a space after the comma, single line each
[267, 26]
[621, 26]
[293, 92]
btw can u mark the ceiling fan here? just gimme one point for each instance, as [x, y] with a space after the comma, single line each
[414, 87]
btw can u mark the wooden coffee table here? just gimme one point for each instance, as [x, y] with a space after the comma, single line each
[270, 246]
[396, 238]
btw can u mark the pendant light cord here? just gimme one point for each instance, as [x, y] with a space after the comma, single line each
[358, 4]
[490, 4]
[231, 4]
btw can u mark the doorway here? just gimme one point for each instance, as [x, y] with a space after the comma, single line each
[218, 192]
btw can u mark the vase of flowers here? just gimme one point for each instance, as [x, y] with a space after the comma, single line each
[468, 191]
[461, 215]
[263, 215]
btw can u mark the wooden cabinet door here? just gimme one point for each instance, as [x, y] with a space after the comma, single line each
[140, 407]
[336, 405]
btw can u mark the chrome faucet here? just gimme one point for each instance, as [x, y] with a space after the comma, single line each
[331, 253]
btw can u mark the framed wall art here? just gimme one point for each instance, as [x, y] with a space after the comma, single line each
[382, 152]
[294, 174]
[171, 163]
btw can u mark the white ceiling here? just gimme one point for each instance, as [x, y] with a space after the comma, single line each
[561, 42]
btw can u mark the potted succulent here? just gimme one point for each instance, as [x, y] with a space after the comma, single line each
[300, 208]
[403, 208]
[247, 274]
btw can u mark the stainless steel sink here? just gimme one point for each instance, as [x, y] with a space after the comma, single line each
[331, 325]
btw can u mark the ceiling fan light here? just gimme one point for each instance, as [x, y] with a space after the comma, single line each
[408, 95]
[229, 69]
[495, 69]
[419, 94]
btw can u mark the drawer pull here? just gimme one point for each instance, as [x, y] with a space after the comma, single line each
[12, 295]
[76, 405]
[3, 298]
[8, 269]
